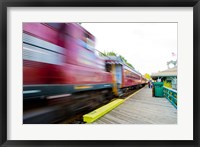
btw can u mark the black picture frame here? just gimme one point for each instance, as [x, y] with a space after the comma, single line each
[4, 4]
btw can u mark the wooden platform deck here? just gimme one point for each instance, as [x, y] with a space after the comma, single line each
[141, 108]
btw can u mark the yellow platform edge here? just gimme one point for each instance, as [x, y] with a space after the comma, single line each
[94, 115]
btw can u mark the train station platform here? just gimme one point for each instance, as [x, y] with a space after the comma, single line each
[141, 108]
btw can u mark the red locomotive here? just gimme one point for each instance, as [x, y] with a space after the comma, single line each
[63, 76]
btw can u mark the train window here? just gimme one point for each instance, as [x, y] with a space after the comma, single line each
[108, 67]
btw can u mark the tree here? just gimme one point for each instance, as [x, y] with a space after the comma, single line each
[109, 53]
[123, 58]
[130, 65]
[115, 54]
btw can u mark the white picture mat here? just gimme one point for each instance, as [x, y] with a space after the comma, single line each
[183, 130]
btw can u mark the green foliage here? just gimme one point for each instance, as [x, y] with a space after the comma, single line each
[108, 54]
[115, 54]
[167, 84]
[123, 59]
[130, 65]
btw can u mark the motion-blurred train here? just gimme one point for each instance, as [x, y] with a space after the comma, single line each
[63, 75]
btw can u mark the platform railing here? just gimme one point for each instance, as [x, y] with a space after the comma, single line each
[171, 95]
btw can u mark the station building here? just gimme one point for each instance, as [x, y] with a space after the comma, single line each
[169, 76]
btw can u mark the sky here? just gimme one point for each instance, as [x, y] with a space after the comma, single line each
[147, 46]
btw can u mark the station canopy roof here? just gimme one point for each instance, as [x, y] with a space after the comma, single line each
[172, 72]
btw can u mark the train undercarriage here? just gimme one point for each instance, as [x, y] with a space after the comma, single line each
[48, 110]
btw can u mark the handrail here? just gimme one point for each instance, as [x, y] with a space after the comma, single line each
[171, 95]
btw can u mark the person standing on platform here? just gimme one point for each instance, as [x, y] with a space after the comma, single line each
[151, 84]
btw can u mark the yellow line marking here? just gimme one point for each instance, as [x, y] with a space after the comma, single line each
[133, 94]
[94, 115]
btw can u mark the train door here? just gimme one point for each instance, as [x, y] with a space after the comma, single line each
[118, 75]
[116, 70]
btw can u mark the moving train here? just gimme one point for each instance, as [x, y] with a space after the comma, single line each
[64, 76]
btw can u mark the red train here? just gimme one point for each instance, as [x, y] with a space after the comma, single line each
[125, 77]
[62, 74]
